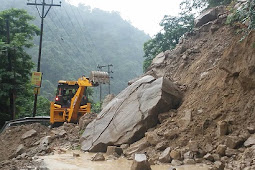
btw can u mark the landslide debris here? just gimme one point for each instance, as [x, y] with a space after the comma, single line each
[20, 146]
[215, 122]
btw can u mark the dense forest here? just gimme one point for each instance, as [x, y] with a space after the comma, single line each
[77, 39]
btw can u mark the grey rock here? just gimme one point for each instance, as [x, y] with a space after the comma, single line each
[234, 142]
[176, 162]
[159, 58]
[20, 149]
[86, 119]
[76, 155]
[188, 155]
[209, 157]
[250, 141]
[107, 100]
[161, 145]
[221, 150]
[222, 128]
[193, 146]
[140, 163]
[165, 156]
[98, 157]
[114, 150]
[230, 152]
[136, 147]
[219, 165]
[209, 15]
[29, 134]
[189, 161]
[251, 129]
[59, 132]
[131, 113]
[45, 141]
[216, 157]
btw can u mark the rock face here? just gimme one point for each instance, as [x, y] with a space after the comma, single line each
[208, 15]
[107, 100]
[130, 114]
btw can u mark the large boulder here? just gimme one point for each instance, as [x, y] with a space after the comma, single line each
[209, 15]
[131, 113]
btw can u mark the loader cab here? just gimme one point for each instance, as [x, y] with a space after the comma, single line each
[66, 91]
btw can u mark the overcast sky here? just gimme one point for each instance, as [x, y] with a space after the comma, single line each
[143, 14]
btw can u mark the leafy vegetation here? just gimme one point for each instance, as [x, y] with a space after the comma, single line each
[245, 15]
[77, 39]
[15, 63]
[173, 29]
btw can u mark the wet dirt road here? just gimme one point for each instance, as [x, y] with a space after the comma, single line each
[66, 161]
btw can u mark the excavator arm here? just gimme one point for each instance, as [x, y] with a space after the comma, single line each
[83, 82]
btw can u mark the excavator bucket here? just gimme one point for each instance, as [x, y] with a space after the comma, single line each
[99, 77]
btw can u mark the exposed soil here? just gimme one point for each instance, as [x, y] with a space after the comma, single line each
[217, 73]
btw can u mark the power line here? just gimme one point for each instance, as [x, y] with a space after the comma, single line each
[42, 15]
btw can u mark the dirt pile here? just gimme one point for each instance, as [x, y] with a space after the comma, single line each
[20, 146]
[217, 74]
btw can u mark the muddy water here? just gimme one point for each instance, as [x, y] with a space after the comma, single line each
[68, 162]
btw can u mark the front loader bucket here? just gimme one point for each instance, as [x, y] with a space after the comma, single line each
[99, 77]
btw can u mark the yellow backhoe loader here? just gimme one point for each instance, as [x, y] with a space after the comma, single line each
[71, 101]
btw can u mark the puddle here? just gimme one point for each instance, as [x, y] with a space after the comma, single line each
[68, 162]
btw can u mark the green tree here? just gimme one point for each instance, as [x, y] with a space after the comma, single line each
[15, 63]
[173, 29]
[197, 5]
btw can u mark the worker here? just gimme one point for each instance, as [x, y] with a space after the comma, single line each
[70, 94]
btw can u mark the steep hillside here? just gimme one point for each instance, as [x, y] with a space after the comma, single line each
[77, 39]
[216, 72]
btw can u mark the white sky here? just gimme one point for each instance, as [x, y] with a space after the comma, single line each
[143, 14]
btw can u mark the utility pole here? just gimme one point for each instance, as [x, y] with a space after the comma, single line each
[100, 68]
[11, 91]
[42, 16]
[109, 72]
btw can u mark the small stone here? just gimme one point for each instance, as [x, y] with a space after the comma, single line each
[20, 149]
[193, 146]
[98, 157]
[29, 134]
[152, 138]
[161, 146]
[222, 128]
[189, 161]
[59, 132]
[230, 152]
[140, 163]
[221, 150]
[188, 155]
[165, 156]
[76, 155]
[219, 165]
[175, 154]
[45, 140]
[251, 129]
[250, 141]
[176, 162]
[234, 142]
[216, 157]
[209, 157]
